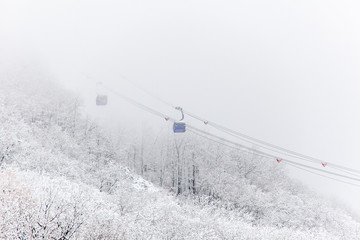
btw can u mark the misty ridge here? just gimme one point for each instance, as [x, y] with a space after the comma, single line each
[65, 177]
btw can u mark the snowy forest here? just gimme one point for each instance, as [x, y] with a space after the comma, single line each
[62, 176]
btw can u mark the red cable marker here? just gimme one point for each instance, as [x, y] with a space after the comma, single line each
[206, 122]
[324, 164]
[167, 118]
[278, 160]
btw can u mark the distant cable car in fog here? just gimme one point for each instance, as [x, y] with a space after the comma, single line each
[179, 127]
[101, 99]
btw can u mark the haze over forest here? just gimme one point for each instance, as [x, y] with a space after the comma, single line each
[275, 82]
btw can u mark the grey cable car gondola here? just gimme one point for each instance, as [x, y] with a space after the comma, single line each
[179, 127]
[101, 100]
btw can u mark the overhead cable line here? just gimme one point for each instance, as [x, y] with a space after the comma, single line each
[157, 113]
[261, 146]
[140, 105]
[318, 174]
[292, 153]
[222, 143]
[346, 171]
[222, 128]
[274, 157]
[253, 140]
[303, 168]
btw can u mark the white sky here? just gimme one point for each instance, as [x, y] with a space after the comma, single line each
[286, 72]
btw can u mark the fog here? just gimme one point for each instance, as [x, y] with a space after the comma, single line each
[284, 72]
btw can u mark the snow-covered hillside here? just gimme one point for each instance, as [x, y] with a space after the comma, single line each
[64, 177]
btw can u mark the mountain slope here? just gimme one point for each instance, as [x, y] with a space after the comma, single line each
[64, 177]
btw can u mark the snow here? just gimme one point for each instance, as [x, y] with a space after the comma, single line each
[63, 176]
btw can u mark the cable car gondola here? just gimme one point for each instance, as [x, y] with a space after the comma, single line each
[179, 127]
[101, 100]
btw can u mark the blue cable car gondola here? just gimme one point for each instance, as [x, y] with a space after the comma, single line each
[179, 127]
